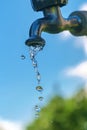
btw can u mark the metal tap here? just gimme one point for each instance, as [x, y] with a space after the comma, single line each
[53, 21]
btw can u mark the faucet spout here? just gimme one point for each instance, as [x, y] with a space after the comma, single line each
[35, 33]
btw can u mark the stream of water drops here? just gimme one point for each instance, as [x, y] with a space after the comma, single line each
[33, 51]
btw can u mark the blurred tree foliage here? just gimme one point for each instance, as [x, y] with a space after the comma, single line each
[63, 114]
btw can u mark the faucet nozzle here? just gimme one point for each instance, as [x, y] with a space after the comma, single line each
[34, 41]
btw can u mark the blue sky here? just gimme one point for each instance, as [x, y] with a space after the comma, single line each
[59, 62]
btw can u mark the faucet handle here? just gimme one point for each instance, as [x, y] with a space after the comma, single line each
[81, 29]
[40, 5]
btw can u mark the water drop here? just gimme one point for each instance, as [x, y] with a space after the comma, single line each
[31, 55]
[34, 63]
[23, 57]
[37, 115]
[33, 50]
[38, 77]
[37, 108]
[39, 88]
[40, 98]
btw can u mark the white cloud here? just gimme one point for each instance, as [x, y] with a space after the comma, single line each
[82, 42]
[79, 71]
[10, 125]
[65, 35]
[83, 7]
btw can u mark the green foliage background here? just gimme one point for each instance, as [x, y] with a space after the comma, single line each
[63, 114]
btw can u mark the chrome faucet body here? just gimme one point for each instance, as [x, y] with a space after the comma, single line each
[53, 22]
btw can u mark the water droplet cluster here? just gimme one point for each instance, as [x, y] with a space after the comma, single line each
[33, 50]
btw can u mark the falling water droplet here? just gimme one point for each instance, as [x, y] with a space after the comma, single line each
[38, 77]
[37, 108]
[33, 50]
[31, 55]
[23, 57]
[40, 98]
[39, 88]
[34, 63]
[36, 115]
